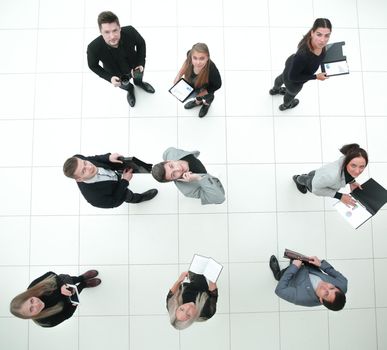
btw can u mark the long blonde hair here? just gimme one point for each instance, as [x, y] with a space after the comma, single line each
[177, 300]
[45, 287]
[187, 68]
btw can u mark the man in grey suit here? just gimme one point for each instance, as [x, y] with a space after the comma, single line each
[310, 284]
[189, 175]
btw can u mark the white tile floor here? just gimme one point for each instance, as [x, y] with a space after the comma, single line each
[52, 106]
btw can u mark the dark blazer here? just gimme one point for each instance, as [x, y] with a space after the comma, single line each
[131, 52]
[54, 298]
[295, 285]
[104, 194]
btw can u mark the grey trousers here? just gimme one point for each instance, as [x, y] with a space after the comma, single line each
[306, 180]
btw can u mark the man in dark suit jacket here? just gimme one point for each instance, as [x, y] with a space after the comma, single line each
[310, 284]
[122, 53]
[100, 183]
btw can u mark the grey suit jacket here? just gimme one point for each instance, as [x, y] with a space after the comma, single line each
[329, 179]
[209, 189]
[295, 285]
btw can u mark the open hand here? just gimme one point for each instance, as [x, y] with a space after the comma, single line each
[355, 185]
[348, 200]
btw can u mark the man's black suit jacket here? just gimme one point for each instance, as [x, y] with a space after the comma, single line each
[131, 51]
[104, 194]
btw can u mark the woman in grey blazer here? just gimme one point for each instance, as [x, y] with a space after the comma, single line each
[330, 178]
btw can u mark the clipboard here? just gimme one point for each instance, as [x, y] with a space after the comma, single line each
[181, 90]
[335, 62]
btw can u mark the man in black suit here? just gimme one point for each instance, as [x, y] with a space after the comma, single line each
[100, 182]
[122, 53]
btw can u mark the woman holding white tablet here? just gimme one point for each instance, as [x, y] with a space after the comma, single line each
[47, 299]
[201, 73]
[330, 178]
[192, 301]
[301, 66]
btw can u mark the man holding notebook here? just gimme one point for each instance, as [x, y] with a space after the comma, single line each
[189, 175]
[310, 283]
[104, 180]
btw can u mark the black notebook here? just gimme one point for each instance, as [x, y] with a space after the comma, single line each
[369, 200]
[136, 164]
[334, 62]
[373, 195]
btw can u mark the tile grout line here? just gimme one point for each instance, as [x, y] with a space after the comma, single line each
[275, 170]
[369, 173]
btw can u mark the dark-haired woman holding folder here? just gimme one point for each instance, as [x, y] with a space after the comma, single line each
[202, 74]
[301, 66]
[330, 178]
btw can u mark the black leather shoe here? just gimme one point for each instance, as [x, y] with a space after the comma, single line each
[147, 87]
[148, 195]
[91, 283]
[280, 91]
[191, 104]
[274, 267]
[292, 104]
[204, 110]
[131, 98]
[302, 188]
[89, 274]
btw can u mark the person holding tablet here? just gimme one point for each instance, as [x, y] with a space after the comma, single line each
[199, 71]
[192, 301]
[327, 180]
[301, 66]
[47, 299]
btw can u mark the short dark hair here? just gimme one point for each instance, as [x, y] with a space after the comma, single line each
[107, 17]
[158, 172]
[352, 150]
[69, 167]
[338, 303]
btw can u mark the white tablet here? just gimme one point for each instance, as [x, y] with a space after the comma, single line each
[181, 90]
[335, 68]
[74, 298]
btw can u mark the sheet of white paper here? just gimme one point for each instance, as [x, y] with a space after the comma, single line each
[336, 68]
[355, 216]
[206, 266]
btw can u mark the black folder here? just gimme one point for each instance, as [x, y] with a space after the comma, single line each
[335, 60]
[136, 164]
[373, 196]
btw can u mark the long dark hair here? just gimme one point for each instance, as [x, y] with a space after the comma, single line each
[318, 23]
[350, 151]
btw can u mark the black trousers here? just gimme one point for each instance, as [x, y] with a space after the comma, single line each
[292, 89]
[129, 87]
[133, 197]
